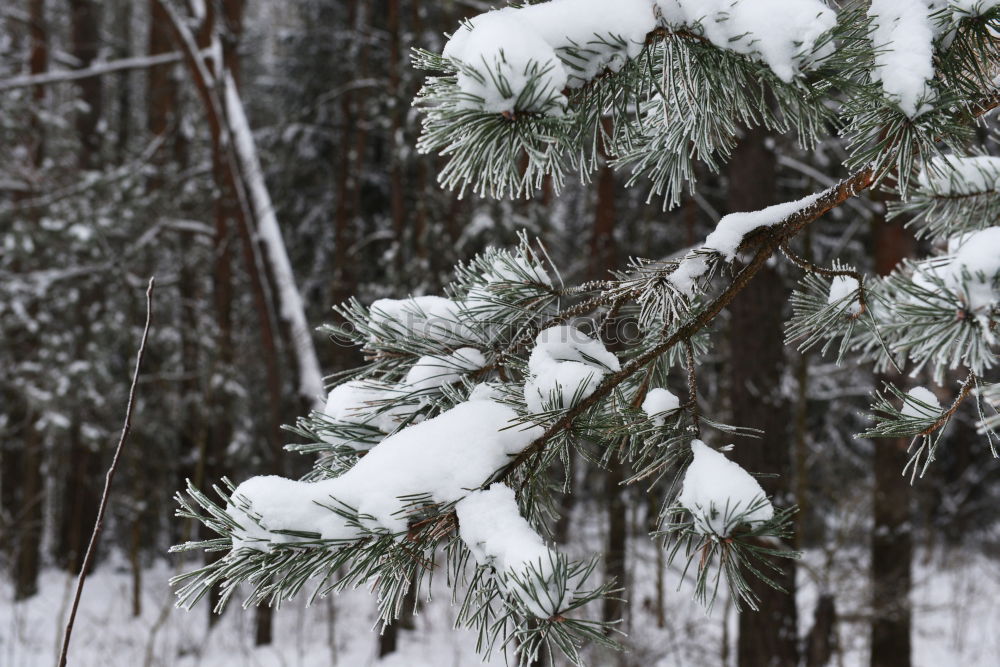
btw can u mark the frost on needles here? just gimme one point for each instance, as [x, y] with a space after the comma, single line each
[440, 451]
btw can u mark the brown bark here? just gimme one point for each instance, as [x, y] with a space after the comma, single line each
[123, 49]
[756, 366]
[22, 493]
[352, 139]
[161, 96]
[80, 494]
[602, 258]
[822, 640]
[84, 45]
[396, 185]
[892, 535]
[39, 63]
[26, 466]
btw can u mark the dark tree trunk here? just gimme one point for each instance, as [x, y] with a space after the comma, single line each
[602, 258]
[822, 640]
[85, 43]
[123, 49]
[82, 464]
[892, 535]
[23, 472]
[756, 367]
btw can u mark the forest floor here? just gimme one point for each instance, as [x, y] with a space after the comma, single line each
[955, 611]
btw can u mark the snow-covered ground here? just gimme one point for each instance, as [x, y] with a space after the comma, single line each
[954, 606]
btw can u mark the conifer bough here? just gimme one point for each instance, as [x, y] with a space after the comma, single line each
[438, 451]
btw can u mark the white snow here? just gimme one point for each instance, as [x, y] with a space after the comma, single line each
[433, 317]
[954, 175]
[732, 228]
[434, 370]
[912, 404]
[362, 402]
[659, 403]
[564, 365]
[955, 616]
[783, 34]
[716, 491]
[975, 272]
[511, 46]
[845, 287]
[497, 535]
[903, 36]
[972, 7]
[685, 276]
[443, 457]
[515, 269]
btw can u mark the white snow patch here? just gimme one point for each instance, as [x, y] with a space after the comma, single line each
[434, 370]
[716, 491]
[565, 364]
[732, 228]
[659, 403]
[954, 175]
[433, 317]
[842, 288]
[497, 535]
[362, 402]
[442, 457]
[685, 277]
[975, 273]
[512, 46]
[903, 37]
[783, 34]
[914, 404]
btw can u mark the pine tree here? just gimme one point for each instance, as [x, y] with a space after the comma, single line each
[440, 448]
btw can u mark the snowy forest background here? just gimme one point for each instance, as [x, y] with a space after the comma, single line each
[119, 174]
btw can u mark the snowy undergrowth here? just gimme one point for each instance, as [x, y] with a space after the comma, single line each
[954, 618]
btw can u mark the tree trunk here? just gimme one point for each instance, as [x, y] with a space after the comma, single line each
[79, 506]
[892, 535]
[29, 508]
[84, 43]
[757, 364]
[123, 50]
[602, 258]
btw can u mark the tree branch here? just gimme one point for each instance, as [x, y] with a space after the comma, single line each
[98, 69]
[769, 239]
[99, 523]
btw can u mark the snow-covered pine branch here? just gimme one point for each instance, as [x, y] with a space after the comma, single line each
[522, 90]
[467, 400]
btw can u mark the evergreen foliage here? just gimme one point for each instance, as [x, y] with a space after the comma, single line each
[675, 109]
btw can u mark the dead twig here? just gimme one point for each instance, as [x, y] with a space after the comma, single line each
[99, 523]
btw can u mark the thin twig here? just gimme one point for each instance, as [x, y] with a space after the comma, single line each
[126, 427]
[810, 267]
[947, 414]
[692, 386]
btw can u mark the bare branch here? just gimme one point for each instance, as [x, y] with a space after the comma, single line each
[97, 69]
[99, 523]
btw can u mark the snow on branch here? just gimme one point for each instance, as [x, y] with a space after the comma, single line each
[493, 529]
[720, 494]
[727, 237]
[439, 459]
[787, 35]
[290, 306]
[903, 37]
[523, 59]
[565, 366]
[520, 59]
[97, 69]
